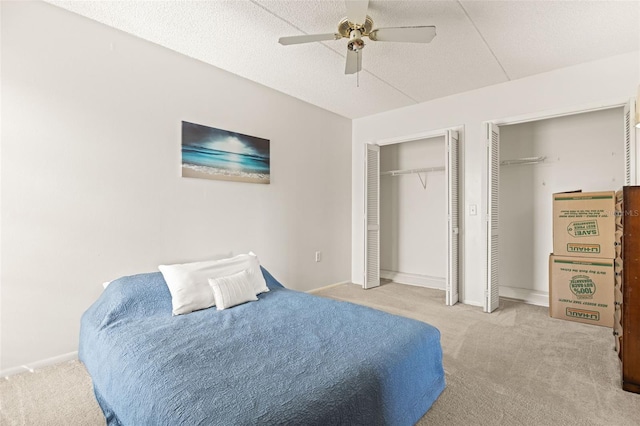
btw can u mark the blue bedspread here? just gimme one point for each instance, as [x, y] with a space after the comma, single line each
[289, 358]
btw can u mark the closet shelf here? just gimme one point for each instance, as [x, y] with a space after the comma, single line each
[525, 160]
[424, 170]
[412, 171]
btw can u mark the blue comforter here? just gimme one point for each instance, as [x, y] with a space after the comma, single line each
[289, 358]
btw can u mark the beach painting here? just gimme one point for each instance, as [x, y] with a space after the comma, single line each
[210, 153]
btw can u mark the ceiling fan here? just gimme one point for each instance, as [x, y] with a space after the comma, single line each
[358, 24]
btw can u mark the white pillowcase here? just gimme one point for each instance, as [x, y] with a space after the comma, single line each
[188, 285]
[232, 290]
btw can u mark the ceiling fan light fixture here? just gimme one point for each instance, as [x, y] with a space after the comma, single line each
[356, 45]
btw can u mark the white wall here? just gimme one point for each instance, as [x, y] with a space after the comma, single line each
[413, 219]
[584, 151]
[609, 80]
[90, 173]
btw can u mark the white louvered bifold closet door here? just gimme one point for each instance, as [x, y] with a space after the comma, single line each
[372, 216]
[493, 197]
[453, 217]
[629, 143]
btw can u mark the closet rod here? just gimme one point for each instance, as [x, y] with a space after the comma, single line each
[412, 171]
[525, 160]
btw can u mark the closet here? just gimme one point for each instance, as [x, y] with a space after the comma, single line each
[412, 213]
[536, 159]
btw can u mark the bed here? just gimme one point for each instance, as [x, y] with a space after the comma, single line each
[289, 358]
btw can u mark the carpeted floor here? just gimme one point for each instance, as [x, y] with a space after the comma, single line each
[516, 366]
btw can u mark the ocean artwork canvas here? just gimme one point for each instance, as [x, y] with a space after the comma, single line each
[210, 153]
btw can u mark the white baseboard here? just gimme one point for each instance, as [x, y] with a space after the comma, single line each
[39, 364]
[533, 297]
[419, 280]
[316, 290]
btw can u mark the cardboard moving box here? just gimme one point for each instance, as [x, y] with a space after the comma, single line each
[584, 224]
[581, 289]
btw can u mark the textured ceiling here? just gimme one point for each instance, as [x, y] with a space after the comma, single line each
[479, 43]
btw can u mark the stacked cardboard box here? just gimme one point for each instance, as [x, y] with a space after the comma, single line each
[581, 275]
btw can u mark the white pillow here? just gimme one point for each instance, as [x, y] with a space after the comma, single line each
[232, 290]
[255, 274]
[188, 285]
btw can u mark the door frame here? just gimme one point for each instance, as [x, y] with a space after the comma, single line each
[460, 129]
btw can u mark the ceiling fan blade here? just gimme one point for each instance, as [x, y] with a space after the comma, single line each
[354, 62]
[308, 38]
[357, 11]
[404, 34]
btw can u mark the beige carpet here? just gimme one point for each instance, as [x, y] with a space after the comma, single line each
[57, 395]
[516, 366]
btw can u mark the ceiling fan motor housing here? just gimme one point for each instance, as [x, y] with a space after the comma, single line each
[345, 27]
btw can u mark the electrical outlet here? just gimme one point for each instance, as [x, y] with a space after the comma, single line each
[318, 256]
[473, 209]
